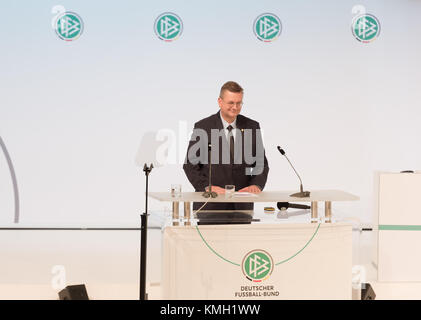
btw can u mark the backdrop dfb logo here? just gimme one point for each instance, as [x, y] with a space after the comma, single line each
[365, 27]
[69, 26]
[267, 27]
[168, 26]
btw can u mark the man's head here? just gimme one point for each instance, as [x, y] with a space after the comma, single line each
[230, 100]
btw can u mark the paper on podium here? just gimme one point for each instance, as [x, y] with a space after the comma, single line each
[244, 194]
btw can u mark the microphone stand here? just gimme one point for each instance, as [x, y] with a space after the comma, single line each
[143, 238]
[302, 193]
[210, 193]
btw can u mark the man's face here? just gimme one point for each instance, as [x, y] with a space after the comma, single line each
[230, 104]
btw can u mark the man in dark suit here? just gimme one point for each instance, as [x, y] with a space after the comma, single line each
[238, 156]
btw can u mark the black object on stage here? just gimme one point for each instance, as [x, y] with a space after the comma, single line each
[75, 292]
[367, 292]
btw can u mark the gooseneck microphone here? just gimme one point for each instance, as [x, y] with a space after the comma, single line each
[301, 194]
[210, 193]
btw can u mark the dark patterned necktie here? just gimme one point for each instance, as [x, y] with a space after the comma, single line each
[231, 142]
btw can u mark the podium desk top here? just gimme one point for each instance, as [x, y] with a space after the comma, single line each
[265, 196]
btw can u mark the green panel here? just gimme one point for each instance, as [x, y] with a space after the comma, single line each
[399, 227]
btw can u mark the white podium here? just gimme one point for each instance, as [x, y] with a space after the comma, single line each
[399, 221]
[316, 196]
[277, 260]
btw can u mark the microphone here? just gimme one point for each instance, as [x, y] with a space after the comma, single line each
[286, 205]
[301, 194]
[210, 193]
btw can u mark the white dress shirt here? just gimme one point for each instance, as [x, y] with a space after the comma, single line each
[226, 124]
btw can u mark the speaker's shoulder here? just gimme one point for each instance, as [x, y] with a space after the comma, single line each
[207, 122]
[247, 122]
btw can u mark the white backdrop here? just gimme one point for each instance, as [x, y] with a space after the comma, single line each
[73, 114]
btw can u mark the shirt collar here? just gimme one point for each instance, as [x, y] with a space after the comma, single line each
[226, 124]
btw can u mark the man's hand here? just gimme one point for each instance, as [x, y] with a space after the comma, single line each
[216, 189]
[251, 189]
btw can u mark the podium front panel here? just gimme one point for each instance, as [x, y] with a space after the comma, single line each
[258, 261]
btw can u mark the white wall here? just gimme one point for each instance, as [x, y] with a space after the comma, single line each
[73, 115]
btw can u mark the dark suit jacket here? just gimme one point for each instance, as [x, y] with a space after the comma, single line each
[197, 168]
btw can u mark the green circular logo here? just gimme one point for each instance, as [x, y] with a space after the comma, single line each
[365, 27]
[267, 27]
[257, 265]
[168, 26]
[69, 26]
